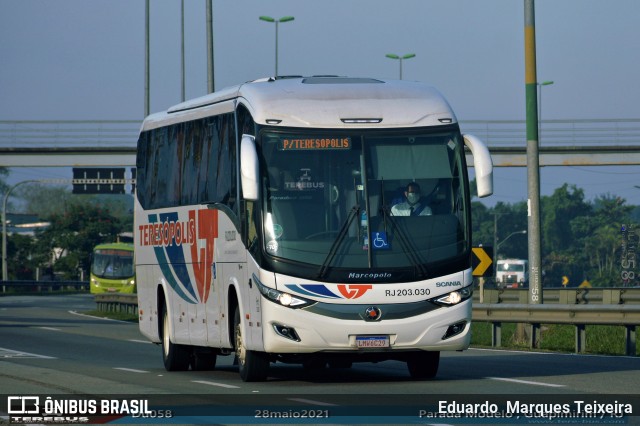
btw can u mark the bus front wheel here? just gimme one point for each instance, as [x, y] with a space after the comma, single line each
[423, 365]
[175, 357]
[252, 365]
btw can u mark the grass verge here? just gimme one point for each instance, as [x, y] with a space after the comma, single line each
[120, 316]
[600, 339]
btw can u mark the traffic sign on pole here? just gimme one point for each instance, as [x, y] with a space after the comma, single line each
[482, 261]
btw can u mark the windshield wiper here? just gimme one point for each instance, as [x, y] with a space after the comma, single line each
[404, 242]
[336, 243]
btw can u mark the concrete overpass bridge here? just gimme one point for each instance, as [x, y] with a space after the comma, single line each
[112, 143]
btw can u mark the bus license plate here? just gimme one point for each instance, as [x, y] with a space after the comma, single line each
[372, 341]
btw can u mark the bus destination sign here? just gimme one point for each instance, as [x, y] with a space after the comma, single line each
[321, 143]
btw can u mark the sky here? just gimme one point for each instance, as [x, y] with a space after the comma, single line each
[84, 59]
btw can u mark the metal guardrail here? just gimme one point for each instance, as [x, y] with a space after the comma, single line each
[577, 306]
[580, 296]
[24, 286]
[117, 302]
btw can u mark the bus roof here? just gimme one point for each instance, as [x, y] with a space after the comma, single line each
[118, 246]
[322, 102]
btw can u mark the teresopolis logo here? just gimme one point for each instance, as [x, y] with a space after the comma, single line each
[354, 291]
[348, 291]
[174, 241]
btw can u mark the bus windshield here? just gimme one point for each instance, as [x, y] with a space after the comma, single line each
[338, 200]
[112, 263]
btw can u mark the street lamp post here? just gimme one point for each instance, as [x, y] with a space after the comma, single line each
[5, 274]
[544, 83]
[276, 21]
[524, 231]
[400, 59]
[497, 245]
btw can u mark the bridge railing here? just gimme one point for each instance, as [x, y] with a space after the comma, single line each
[582, 133]
[69, 133]
[124, 133]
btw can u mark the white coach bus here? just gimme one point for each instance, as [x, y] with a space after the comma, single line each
[265, 226]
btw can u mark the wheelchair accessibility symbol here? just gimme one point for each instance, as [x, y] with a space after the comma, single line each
[380, 241]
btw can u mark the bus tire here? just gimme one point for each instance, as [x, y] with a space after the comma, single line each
[314, 364]
[340, 363]
[203, 361]
[423, 365]
[175, 357]
[253, 366]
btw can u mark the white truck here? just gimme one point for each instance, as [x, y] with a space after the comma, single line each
[512, 273]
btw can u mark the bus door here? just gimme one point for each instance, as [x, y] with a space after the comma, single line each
[228, 269]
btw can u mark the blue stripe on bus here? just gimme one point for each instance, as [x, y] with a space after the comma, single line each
[166, 270]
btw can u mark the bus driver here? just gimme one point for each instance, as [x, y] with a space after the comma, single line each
[414, 205]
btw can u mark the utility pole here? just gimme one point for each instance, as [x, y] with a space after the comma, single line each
[533, 162]
[182, 67]
[5, 270]
[210, 68]
[146, 58]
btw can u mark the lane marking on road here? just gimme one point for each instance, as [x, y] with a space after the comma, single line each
[98, 318]
[10, 353]
[50, 328]
[131, 370]
[222, 385]
[313, 402]
[526, 382]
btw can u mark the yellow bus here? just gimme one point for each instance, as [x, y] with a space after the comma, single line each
[112, 269]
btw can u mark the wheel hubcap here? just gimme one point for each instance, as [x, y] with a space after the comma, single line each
[240, 350]
[165, 336]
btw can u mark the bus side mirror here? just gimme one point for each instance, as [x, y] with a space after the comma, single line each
[249, 169]
[482, 164]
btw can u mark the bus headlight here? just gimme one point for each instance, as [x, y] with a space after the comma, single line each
[284, 299]
[454, 297]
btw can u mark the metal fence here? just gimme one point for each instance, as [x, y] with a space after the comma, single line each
[120, 303]
[69, 133]
[567, 133]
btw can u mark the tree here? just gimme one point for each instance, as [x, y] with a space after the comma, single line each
[510, 219]
[602, 240]
[44, 200]
[21, 264]
[580, 239]
[482, 229]
[73, 234]
[558, 210]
